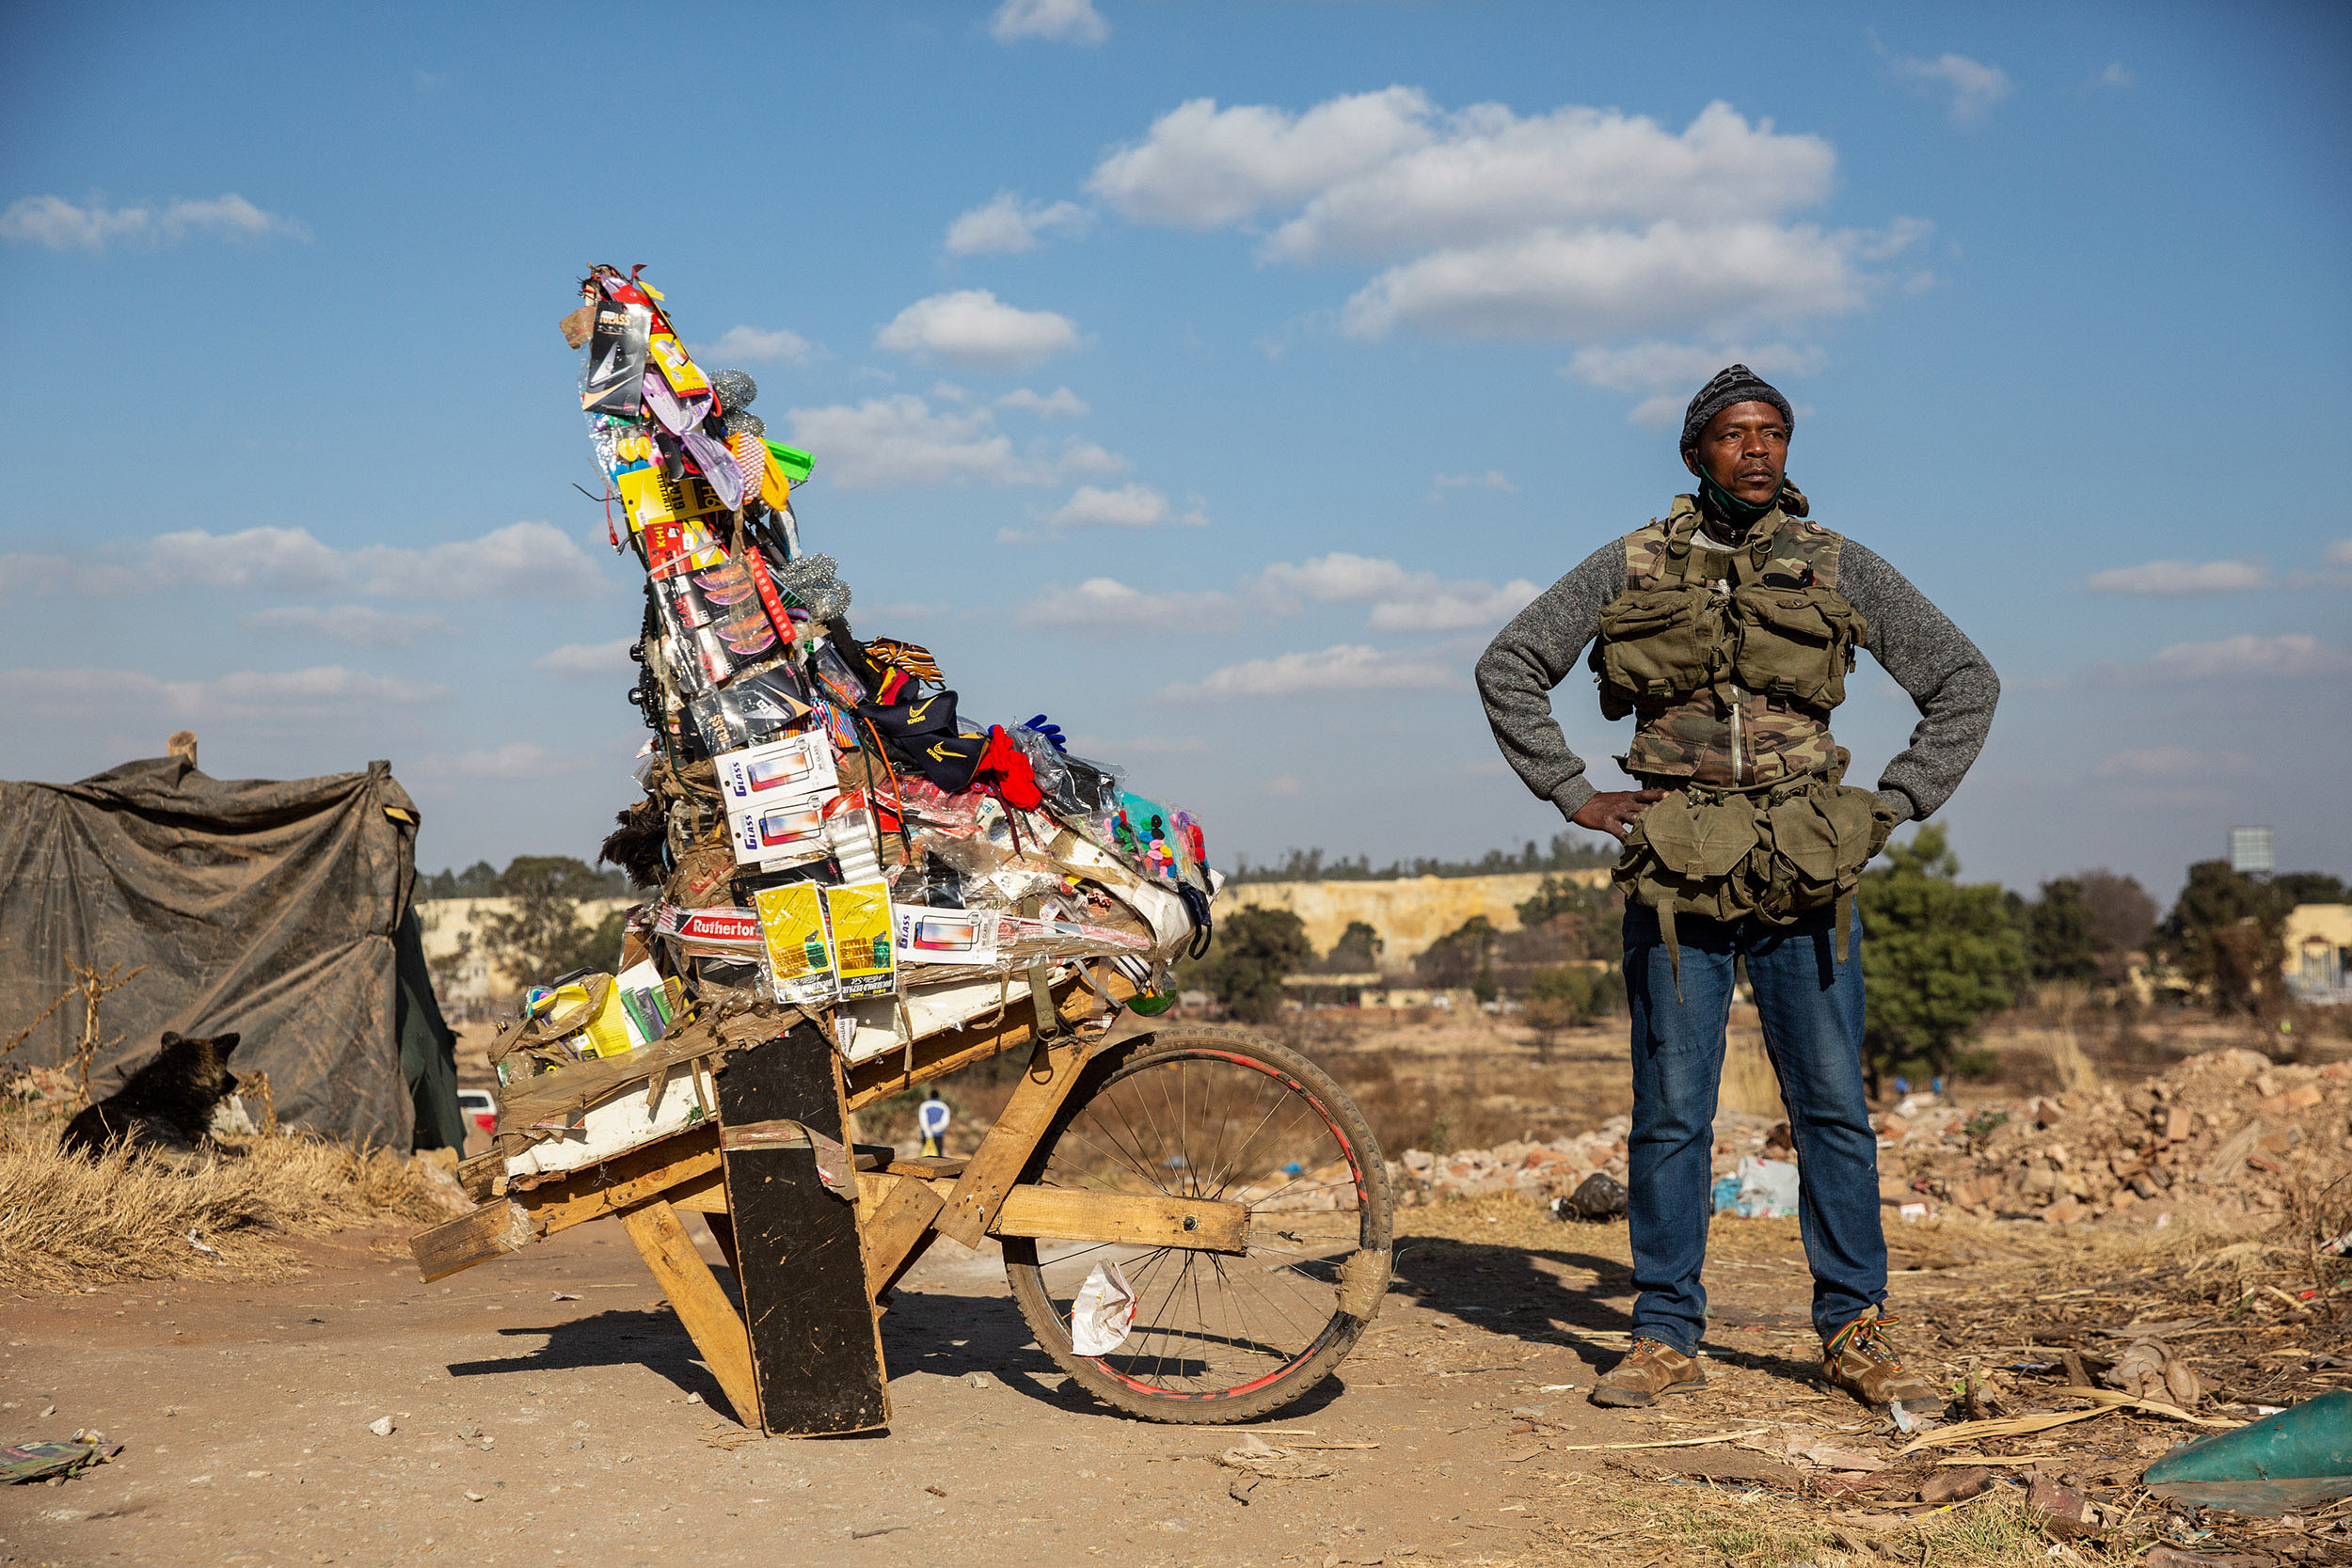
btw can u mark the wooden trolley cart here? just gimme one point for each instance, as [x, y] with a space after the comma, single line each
[1225, 1178]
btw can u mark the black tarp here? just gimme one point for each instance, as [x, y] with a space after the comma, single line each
[265, 907]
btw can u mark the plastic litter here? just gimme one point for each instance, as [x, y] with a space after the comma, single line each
[1598, 1197]
[1758, 1190]
[1098, 1319]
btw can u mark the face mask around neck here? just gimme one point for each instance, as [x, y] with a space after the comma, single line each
[1742, 515]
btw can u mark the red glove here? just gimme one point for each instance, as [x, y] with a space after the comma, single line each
[1005, 770]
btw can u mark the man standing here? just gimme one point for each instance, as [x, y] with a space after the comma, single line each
[1726, 630]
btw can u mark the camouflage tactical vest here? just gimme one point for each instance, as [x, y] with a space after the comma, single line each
[1730, 660]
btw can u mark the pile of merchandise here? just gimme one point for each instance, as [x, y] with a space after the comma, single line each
[827, 833]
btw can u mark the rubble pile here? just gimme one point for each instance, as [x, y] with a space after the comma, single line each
[2229, 1132]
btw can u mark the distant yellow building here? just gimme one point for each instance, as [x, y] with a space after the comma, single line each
[2318, 942]
[1410, 913]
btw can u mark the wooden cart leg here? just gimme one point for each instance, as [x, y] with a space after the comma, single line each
[816, 1349]
[701, 1303]
[997, 1165]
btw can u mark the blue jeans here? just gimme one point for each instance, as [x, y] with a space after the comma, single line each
[1812, 1016]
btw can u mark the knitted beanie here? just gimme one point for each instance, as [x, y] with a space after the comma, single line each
[1732, 384]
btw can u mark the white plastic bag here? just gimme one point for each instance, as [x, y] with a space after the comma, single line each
[1100, 1315]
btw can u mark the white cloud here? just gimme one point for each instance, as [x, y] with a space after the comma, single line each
[2115, 75]
[1455, 606]
[1283, 787]
[1129, 506]
[1400, 600]
[322, 694]
[529, 559]
[1486, 174]
[58, 224]
[2340, 554]
[289, 559]
[1085, 457]
[751, 345]
[359, 624]
[1336, 671]
[1492, 479]
[584, 660]
[1601, 282]
[973, 327]
[896, 442]
[517, 759]
[1578, 222]
[1343, 578]
[1007, 226]
[2178, 579]
[1105, 604]
[2247, 658]
[1059, 20]
[1975, 86]
[1200, 167]
[521, 560]
[1059, 403]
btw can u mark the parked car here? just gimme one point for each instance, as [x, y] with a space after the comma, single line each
[479, 1108]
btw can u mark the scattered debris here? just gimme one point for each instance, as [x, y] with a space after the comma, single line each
[382, 1426]
[28, 1461]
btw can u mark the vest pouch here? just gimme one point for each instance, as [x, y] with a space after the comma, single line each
[1827, 834]
[1796, 643]
[1656, 643]
[1698, 840]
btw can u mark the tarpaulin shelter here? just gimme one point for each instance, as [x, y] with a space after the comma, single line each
[275, 909]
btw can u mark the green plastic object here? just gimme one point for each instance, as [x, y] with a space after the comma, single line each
[796, 464]
[2310, 1439]
[1152, 1004]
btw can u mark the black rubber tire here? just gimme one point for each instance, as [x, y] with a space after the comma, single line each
[1369, 1267]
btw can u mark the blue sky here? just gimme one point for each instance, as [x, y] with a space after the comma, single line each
[1214, 378]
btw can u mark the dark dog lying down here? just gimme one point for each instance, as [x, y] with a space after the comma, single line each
[164, 1106]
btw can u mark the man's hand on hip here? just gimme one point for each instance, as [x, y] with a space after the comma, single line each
[1612, 811]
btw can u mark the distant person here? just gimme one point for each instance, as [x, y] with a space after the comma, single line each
[931, 1118]
[1725, 630]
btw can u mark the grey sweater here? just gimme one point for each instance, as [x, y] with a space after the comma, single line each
[1949, 680]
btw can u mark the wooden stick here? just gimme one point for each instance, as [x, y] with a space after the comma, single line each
[701, 1305]
[1667, 1443]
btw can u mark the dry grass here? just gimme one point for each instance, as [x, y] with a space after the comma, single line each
[67, 1223]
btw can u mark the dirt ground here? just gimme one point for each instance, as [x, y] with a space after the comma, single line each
[548, 1408]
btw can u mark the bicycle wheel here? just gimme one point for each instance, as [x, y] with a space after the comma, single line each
[1220, 1113]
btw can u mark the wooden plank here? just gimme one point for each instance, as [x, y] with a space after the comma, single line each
[997, 1163]
[816, 1349]
[1144, 1219]
[897, 1230]
[936, 1055]
[928, 1164]
[498, 1227]
[627, 1179]
[701, 1305]
[477, 1174]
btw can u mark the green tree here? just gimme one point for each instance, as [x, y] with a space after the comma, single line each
[1252, 950]
[1558, 998]
[561, 876]
[1940, 954]
[2062, 941]
[2226, 932]
[543, 935]
[2307, 887]
[1357, 951]
[2120, 911]
[1463, 957]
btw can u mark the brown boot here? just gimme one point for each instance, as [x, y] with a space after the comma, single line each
[1654, 1368]
[1860, 1359]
